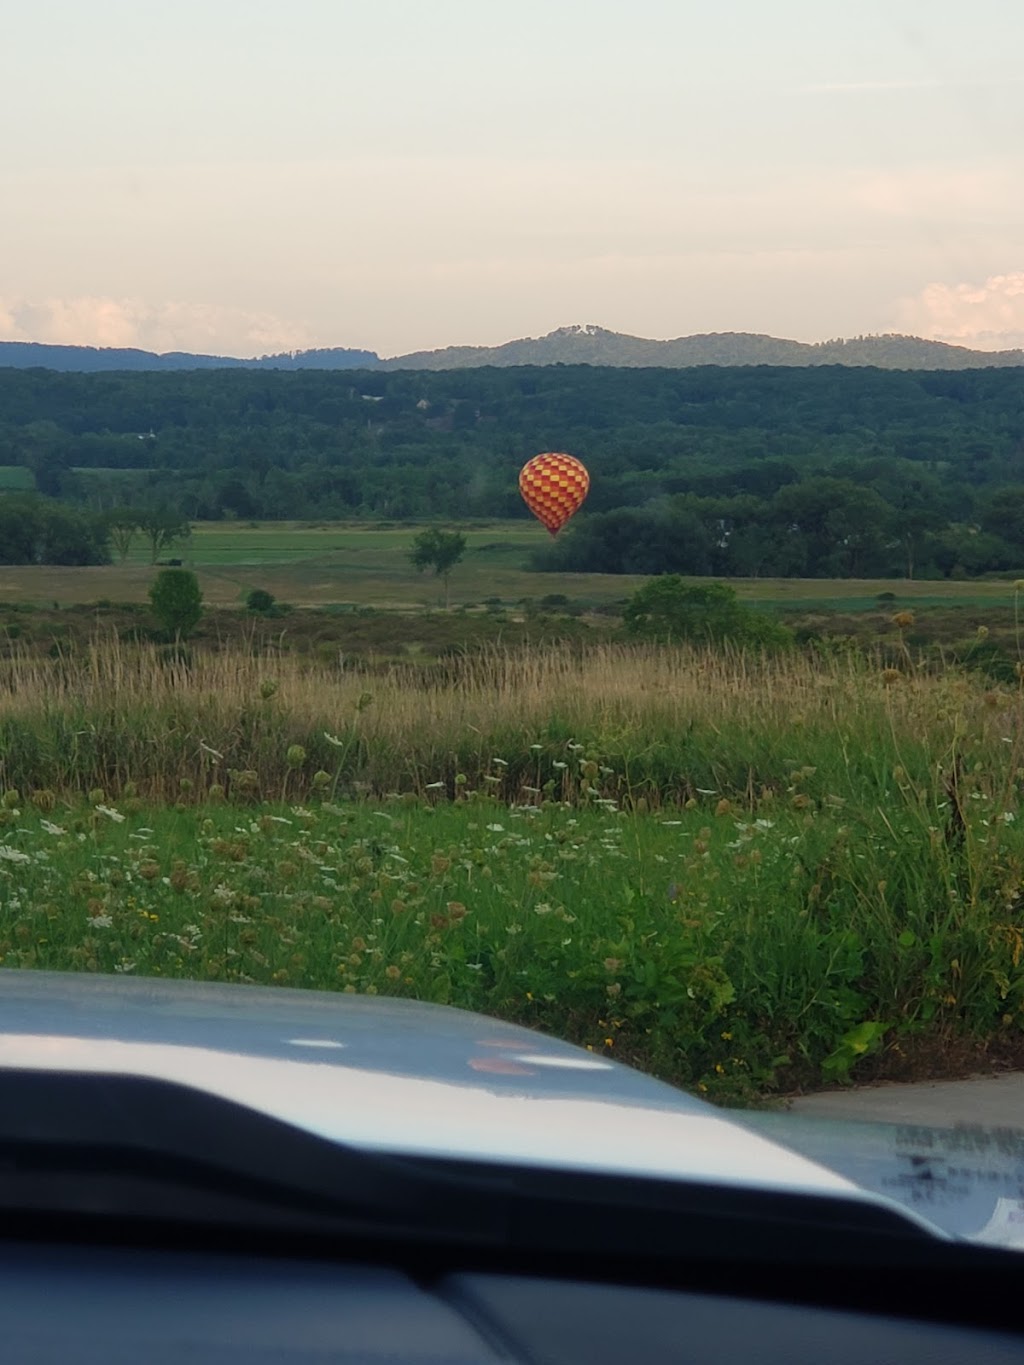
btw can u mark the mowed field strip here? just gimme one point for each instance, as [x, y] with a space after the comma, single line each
[368, 565]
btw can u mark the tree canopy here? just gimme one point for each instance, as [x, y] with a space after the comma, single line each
[712, 470]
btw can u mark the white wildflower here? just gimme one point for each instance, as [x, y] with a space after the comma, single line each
[124, 965]
[13, 855]
[333, 739]
[435, 786]
[51, 828]
[495, 829]
[99, 922]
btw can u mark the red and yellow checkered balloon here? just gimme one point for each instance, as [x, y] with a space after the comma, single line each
[553, 487]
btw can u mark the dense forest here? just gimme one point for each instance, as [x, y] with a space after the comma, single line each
[824, 471]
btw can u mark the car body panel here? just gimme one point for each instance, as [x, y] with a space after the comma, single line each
[402, 1076]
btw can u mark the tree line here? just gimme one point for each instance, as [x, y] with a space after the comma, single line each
[828, 471]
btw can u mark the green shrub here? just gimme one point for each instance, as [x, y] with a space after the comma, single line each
[670, 610]
[177, 602]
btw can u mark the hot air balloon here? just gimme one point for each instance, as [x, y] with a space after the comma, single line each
[553, 487]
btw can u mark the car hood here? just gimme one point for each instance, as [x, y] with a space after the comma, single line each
[401, 1076]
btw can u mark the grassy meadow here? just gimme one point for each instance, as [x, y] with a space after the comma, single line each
[366, 565]
[744, 874]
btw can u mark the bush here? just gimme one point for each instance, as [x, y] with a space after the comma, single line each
[259, 600]
[177, 602]
[669, 610]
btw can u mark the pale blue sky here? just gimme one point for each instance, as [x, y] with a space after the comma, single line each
[243, 176]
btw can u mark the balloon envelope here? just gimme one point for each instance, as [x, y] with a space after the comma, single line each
[553, 487]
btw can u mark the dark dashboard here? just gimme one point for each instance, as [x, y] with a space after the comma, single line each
[108, 1306]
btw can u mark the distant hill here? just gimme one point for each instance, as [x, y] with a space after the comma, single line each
[590, 345]
[587, 345]
[24, 355]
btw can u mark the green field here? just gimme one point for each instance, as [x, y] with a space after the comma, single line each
[367, 565]
[16, 478]
[744, 874]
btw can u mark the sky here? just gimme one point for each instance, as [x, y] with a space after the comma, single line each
[245, 176]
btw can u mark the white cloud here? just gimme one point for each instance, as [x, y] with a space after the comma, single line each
[988, 316]
[92, 320]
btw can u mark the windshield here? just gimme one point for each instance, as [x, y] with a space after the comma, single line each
[521, 509]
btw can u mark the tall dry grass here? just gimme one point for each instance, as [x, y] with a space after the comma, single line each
[664, 723]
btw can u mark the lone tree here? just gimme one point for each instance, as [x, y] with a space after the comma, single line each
[122, 527]
[162, 527]
[440, 551]
[177, 602]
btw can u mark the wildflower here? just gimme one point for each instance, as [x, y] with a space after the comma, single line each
[543, 908]
[124, 965]
[110, 813]
[495, 829]
[99, 922]
[295, 756]
[335, 741]
[500, 762]
[51, 828]
[13, 855]
[435, 787]
[207, 750]
[559, 765]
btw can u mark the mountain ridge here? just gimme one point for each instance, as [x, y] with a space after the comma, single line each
[579, 344]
